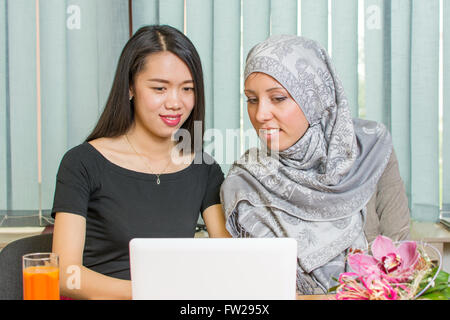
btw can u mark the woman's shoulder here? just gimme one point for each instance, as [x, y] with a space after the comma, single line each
[80, 162]
[370, 127]
[82, 154]
[207, 162]
[205, 158]
[202, 159]
[77, 152]
[391, 171]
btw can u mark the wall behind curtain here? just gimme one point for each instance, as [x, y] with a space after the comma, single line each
[79, 42]
[58, 58]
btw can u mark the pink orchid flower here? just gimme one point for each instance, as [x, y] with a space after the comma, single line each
[386, 258]
[370, 287]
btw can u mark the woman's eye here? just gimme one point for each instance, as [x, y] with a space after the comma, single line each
[251, 100]
[188, 89]
[160, 89]
[279, 99]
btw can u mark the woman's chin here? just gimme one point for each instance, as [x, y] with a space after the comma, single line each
[276, 146]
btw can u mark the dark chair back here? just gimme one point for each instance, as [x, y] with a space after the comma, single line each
[11, 287]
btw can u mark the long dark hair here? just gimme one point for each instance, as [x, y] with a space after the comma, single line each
[118, 114]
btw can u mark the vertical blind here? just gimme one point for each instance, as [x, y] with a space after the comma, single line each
[58, 58]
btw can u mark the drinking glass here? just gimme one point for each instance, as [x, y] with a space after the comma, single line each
[40, 276]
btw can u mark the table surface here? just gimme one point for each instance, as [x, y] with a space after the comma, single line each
[316, 297]
[429, 232]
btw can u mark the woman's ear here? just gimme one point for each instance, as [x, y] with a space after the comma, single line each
[130, 93]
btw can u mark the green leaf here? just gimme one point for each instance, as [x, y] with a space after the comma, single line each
[437, 295]
[434, 296]
[440, 283]
[447, 293]
[443, 294]
[333, 289]
[442, 277]
[438, 287]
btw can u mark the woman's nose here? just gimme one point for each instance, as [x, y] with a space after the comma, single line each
[263, 112]
[173, 100]
[173, 106]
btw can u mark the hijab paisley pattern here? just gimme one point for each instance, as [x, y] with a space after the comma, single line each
[315, 191]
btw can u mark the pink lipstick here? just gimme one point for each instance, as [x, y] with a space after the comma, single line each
[171, 120]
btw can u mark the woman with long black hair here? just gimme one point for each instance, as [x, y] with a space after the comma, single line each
[130, 178]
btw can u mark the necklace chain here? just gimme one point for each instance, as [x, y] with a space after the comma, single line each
[158, 181]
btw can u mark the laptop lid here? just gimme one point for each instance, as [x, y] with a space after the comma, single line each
[445, 219]
[213, 268]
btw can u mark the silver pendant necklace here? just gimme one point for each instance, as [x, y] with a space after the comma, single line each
[158, 181]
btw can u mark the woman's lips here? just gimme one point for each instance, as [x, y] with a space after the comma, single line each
[171, 121]
[269, 134]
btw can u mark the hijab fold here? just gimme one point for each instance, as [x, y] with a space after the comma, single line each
[315, 191]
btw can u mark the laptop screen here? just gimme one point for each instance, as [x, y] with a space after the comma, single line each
[212, 268]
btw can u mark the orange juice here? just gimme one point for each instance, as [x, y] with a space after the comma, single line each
[41, 283]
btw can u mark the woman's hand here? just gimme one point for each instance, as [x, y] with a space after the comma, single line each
[214, 218]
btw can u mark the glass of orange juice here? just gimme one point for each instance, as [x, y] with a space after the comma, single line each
[40, 276]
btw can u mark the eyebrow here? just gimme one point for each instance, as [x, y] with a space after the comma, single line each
[268, 90]
[166, 81]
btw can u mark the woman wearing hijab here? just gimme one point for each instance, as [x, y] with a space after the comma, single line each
[323, 178]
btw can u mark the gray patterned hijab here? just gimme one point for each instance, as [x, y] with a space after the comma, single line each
[315, 191]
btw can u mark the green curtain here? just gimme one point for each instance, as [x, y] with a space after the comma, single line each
[79, 42]
[386, 53]
[446, 108]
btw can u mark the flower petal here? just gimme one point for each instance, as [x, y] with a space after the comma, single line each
[409, 254]
[362, 264]
[382, 246]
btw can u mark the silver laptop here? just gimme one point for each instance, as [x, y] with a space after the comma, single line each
[213, 269]
[445, 219]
